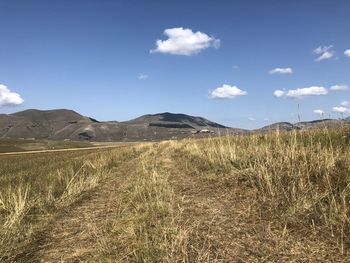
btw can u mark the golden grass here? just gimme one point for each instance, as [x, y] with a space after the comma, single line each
[34, 188]
[20, 145]
[147, 228]
[279, 197]
[301, 180]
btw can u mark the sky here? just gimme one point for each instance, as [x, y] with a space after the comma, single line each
[242, 63]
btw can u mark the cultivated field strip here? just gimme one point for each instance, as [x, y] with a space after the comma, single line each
[63, 150]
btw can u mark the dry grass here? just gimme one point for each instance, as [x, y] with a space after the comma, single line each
[299, 181]
[147, 228]
[34, 188]
[281, 197]
[20, 145]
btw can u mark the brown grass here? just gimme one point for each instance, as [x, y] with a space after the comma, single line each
[280, 197]
[34, 188]
[20, 145]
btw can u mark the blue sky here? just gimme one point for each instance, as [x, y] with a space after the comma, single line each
[89, 55]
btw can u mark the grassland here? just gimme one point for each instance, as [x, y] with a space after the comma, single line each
[281, 197]
[22, 145]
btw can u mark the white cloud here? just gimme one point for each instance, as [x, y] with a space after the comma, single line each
[301, 93]
[227, 92]
[183, 41]
[347, 53]
[143, 76]
[324, 53]
[266, 119]
[340, 109]
[8, 98]
[306, 92]
[339, 88]
[281, 71]
[278, 93]
[345, 103]
[251, 119]
[319, 112]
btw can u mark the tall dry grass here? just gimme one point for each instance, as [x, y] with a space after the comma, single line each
[147, 228]
[33, 188]
[301, 179]
[298, 182]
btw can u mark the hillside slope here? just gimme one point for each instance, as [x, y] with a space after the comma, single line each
[305, 125]
[65, 124]
[175, 120]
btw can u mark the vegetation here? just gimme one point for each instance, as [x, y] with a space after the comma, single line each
[279, 197]
[35, 187]
[21, 145]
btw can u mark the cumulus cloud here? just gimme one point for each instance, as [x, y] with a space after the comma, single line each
[319, 112]
[8, 98]
[143, 76]
[183, 41]
[324, 53]
[306, 92]
[345, 103]
[301, 93]
[278, 93]
[227, 92]
[347, 53]
[281, 71]
[340, 109]
[339, 88]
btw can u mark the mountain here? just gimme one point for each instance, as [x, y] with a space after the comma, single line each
[175, 120]
[306, 125]
[38, 124]
[282, 126]
[64, 124]
[324, 123]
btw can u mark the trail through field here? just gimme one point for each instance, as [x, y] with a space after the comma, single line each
[159, 207]
[73, 236]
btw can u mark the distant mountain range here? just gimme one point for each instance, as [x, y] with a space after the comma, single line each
[307, 125]
[65, 124]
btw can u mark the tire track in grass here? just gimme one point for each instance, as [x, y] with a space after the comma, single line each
[147, 230]
[73, 235]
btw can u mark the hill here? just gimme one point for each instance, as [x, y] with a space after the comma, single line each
[305, 125]
[175, 120]
[65, 124]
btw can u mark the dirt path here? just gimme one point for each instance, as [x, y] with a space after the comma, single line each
[213, 219]
[218, 233]
[216, 212]
[74, 234]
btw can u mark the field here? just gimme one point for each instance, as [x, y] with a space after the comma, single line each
[23, 145]
[279, 197]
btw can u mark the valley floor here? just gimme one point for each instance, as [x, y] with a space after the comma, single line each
[158, 203]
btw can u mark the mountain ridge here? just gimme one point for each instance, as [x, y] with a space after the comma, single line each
[306, 125]
[63, 124]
